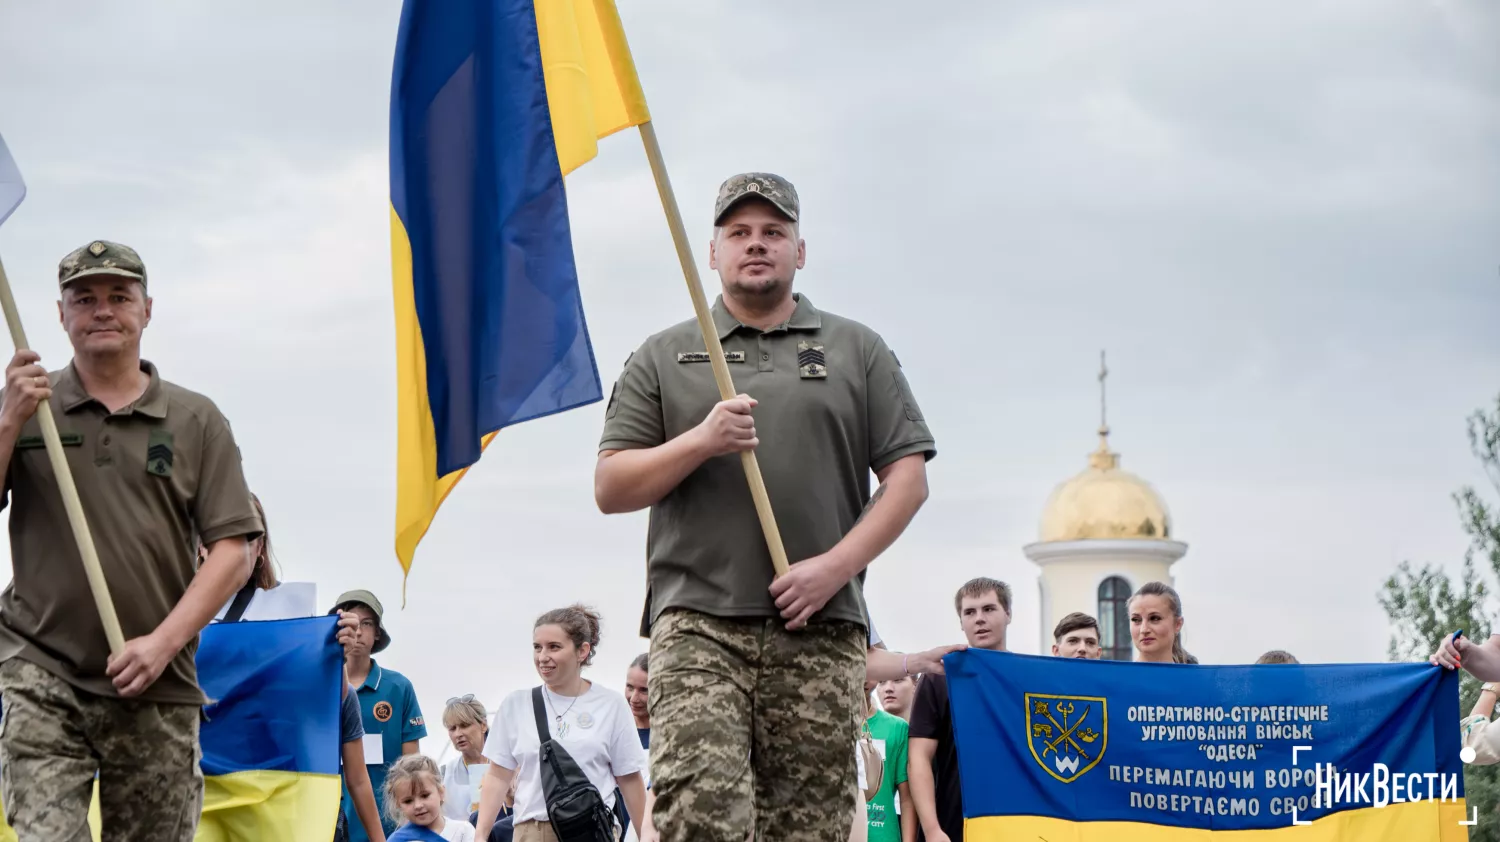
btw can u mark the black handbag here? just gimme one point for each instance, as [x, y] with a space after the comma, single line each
[575, 808]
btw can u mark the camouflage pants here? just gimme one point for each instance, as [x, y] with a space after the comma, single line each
[54, 738]
[753, 725]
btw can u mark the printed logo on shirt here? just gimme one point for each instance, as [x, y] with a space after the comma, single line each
[383, 711]
[416, 722]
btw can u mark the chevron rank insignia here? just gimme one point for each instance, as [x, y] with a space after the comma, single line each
[159, 453]
[1068, 734]
[702, 356]
[810, 360]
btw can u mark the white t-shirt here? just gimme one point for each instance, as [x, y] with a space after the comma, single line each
[461, 786]
[456, 830]
[598, 733]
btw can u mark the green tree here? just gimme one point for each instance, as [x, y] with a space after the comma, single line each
[1425, 603]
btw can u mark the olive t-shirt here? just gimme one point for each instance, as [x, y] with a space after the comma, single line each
[152, 478]
[832, 405]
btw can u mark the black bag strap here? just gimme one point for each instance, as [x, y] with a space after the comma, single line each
[241, 602]
[539, 707]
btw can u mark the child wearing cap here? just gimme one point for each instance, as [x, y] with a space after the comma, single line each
[391, 717]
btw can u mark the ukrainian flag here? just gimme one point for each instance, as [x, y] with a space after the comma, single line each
[1088, 751]
[271, 747]
[492, 103]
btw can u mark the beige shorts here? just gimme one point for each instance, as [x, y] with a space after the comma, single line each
[534, 831]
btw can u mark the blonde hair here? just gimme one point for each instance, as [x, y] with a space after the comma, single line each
[1164, 590]
[465, 712]
[410, 769]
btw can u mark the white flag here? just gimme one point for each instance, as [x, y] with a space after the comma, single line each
[12, 188]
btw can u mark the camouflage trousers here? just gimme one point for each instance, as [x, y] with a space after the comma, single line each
[54, 738]
[753, 726]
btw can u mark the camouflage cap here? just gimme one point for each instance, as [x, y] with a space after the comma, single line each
[101, 257]
[773, 188]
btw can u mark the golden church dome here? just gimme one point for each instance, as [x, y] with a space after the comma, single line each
[1105, 502]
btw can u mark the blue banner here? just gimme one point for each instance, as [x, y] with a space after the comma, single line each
[1122, 751]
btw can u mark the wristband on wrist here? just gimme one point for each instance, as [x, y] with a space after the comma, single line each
[1487, 687]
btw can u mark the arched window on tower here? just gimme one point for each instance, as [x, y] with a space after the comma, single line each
[1114, 619]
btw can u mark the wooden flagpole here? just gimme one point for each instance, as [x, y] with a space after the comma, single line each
[711, 340]
[65, 484]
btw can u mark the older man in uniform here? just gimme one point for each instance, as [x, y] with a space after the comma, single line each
[157, 469]
[755, 684]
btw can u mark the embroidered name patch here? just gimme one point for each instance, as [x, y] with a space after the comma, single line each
[702, 356]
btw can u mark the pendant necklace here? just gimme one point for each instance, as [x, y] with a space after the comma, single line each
[562, 727]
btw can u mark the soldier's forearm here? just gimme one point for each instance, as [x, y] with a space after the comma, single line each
[10, 433]
[631, 480]
[902, 491]
[224, 572]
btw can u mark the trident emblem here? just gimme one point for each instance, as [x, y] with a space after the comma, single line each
[1058, 727]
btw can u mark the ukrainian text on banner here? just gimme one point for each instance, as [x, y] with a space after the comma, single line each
[1089, 751]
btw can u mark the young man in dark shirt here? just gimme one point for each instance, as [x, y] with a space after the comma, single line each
[983, 607]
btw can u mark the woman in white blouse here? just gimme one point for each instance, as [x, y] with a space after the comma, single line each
[468, 726]
[593, 724]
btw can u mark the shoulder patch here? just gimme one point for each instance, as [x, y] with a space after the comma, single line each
[416, 721]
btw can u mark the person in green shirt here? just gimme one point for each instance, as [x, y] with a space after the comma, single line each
[889, 733]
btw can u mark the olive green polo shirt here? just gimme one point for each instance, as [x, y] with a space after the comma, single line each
[152, 478]
[832, 405]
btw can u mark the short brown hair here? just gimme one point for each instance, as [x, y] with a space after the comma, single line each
[1073, 622]
[1277, 656]
[979, 587]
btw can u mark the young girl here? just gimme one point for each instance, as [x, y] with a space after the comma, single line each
[1156, 625]
[592, 723]
[414, 798]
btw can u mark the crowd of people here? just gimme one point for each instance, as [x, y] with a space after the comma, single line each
[764, 704]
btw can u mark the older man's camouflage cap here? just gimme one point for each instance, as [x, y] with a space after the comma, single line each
[773, 188]
[101, 257]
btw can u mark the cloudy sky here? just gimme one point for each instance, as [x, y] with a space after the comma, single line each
[1279, 219]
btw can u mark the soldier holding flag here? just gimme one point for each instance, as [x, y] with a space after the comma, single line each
[742, 666]
[157, 469]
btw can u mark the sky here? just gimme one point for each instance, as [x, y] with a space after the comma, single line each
[1279, 219]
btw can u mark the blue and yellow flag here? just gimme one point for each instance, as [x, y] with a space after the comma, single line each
[271, 744]
[1088, 751]
[492, 103]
